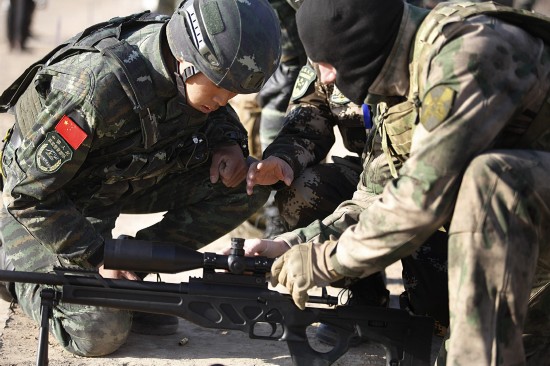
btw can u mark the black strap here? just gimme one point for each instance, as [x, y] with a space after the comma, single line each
[143, 96]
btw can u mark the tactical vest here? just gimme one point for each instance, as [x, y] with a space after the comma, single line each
[399, 121]
[105, 38]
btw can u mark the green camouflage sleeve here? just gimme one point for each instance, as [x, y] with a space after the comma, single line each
[308, 131]
[482, 77]
[53, 149]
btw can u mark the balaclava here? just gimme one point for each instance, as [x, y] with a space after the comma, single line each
[354, 36]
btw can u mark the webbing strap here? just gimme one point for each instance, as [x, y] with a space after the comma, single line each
[135, 79]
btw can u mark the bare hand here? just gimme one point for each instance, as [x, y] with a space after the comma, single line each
[268, 172]
[229, 165]
[118, 274]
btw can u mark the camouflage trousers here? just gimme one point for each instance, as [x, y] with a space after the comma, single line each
[499, 261]
[197, 212]
[274, 98]
[317, 192]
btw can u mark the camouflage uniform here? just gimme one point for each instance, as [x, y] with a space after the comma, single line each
[520, 4]
[275, 94]
[473, 131]
[304, 142]
[80, 155]
[318, 188]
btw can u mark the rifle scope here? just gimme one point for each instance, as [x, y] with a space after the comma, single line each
[167, 257]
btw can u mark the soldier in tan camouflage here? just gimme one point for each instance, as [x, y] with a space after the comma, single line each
[462, 98]
[314, 189]
[130, 116]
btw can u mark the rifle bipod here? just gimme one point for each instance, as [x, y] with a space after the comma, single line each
[48, 299]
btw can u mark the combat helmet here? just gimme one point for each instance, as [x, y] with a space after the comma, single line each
[234, 43]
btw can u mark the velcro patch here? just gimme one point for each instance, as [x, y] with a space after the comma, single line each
[436, 106]
[303, 81]
[338, 98]
[70, 131]
[52, 153]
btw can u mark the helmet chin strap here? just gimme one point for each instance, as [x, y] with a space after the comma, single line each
[182, 78]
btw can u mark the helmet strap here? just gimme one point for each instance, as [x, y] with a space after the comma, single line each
[180, 84]
[189, 71]
[182, 78]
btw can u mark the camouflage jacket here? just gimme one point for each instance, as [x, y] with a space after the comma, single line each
[479, 88]
[292, 49]
[308, 131]
[82, 144]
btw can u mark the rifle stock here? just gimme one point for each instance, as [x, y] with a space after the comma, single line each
[242, 301]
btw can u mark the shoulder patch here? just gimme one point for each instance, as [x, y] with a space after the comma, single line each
[337, 97]
[71, 132]
[303, 81]
[436, 106]
[52, 153]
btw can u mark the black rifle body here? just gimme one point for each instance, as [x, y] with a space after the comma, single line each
[243, 301]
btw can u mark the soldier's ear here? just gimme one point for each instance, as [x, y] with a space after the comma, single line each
[327, 73]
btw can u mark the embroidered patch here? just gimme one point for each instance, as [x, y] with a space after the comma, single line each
[303, 81]
[52, 153]
[436, 106]
[337, 97]
[70, 131]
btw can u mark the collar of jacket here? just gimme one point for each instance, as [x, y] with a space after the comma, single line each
[393, 80]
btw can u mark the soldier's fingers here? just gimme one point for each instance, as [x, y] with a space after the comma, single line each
[276, 269]
[300, 298]
[214, 172]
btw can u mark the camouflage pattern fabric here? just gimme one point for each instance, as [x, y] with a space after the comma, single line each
[487, 81]
[304, 142]
[81, 162]
[319, 188]
[520, 4]
[274, 96]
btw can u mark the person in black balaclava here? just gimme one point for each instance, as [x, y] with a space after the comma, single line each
[354, 36]
[461, 95]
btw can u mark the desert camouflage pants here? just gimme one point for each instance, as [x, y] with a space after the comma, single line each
[499, 262]
[197, 213]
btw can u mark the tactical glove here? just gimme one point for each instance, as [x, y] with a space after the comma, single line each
[303, 267]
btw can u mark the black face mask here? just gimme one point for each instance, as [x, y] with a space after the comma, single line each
[354, 36]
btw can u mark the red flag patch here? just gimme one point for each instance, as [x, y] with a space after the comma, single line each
[70, 131]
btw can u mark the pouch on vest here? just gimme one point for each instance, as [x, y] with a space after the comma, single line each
[398, 126]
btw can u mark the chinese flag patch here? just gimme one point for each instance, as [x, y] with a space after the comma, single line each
[70, 131]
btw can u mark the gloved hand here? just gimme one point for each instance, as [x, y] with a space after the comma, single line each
[303, 267]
